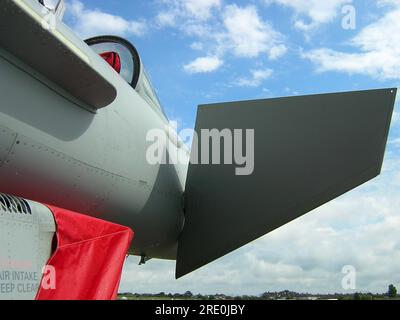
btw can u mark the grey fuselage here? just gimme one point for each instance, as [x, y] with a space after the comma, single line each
[54, 151]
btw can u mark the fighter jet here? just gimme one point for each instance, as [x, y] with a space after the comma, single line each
[78, 121]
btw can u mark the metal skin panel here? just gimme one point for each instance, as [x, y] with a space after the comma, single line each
[26, 243]
[7, 139]
[52, 54]
[308, 151]
[92, 163]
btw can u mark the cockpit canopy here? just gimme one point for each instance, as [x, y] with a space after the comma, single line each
[129, 65]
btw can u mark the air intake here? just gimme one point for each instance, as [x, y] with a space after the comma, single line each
[13, 204]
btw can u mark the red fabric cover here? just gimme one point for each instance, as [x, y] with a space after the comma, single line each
[113, 59]
[89, 257]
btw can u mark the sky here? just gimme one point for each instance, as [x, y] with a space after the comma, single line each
[206, 51]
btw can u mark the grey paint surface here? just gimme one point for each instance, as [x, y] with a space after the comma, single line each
[38, 47]
[93, 163]
[26, 240]
[56, 150]
[6, 142]
[308, 151]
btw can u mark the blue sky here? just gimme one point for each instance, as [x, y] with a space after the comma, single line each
[203, 51]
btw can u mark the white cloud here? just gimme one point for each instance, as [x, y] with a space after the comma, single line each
[317, 12]
[277, 51]
[203, 65]
[256, 79]
[174, 10]
[395, 143]
[166, 19]
[379, 51]
[396, 118]
[197, 46]
[248, 35]
[222, 30]
[306, 255]
[396, 113]
[87, 22]
[201, 9]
